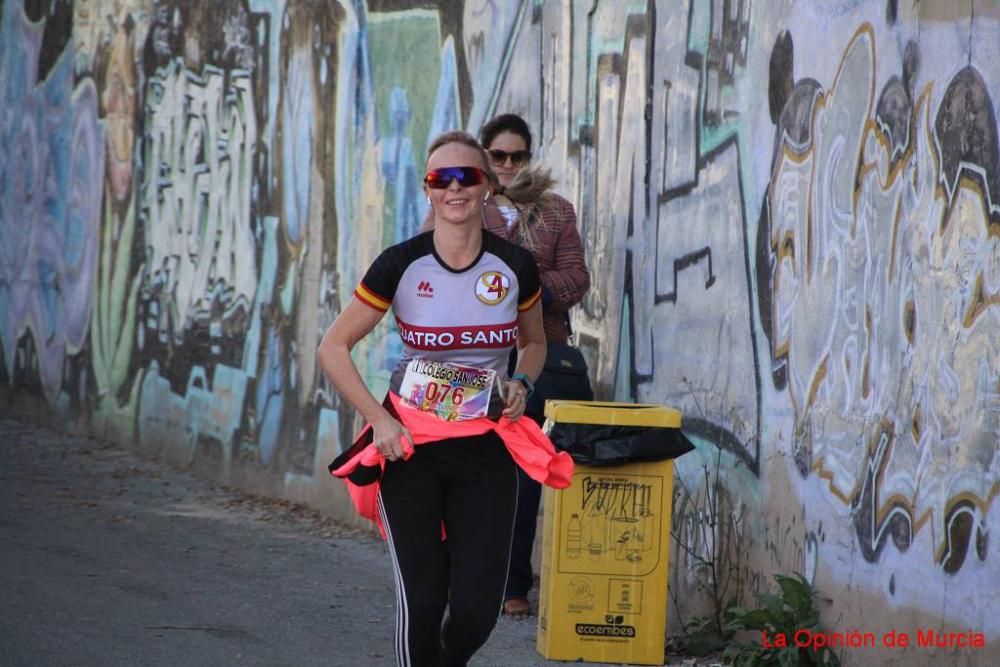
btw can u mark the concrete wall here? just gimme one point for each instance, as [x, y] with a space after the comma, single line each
[791, 210]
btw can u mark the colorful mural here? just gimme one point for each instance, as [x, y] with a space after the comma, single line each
[791, 213]
[883, 244]
[50, 175]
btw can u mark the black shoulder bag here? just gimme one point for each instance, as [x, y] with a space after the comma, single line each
[565, 377]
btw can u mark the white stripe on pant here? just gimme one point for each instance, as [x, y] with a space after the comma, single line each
[471, 485]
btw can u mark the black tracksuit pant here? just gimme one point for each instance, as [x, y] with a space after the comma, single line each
[471, 485]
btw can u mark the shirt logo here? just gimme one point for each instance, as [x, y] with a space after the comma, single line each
[425, 290]
[492, 287]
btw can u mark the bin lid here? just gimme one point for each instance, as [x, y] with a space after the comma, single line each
[615, 414]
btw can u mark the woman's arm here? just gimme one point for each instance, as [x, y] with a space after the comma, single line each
[354, 323]
[530, 359]
[568, 279]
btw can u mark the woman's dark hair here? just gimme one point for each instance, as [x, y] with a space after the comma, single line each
[529, 184]
[505, 122]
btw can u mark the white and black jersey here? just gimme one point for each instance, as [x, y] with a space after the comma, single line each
[462, 316]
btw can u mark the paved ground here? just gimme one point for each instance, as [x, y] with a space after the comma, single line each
[108, 559]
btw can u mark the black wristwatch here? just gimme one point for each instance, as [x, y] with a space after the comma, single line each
[523, 379]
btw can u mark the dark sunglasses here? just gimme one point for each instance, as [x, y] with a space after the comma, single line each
[439, 179]
[517, 158]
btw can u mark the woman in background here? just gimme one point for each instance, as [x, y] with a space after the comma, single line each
[524, 210]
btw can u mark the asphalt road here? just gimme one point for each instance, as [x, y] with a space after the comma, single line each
[109, 559]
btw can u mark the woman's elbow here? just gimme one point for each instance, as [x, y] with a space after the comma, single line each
[328, 350]
[324, 346]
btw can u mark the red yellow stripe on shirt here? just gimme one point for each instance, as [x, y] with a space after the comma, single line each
[370, 298]
[531, 301]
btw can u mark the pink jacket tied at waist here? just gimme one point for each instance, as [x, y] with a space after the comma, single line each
[530, 448]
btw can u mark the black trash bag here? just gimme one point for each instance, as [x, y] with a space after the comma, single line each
[611, 445]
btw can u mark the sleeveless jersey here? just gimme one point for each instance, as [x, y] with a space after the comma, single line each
[462, 316]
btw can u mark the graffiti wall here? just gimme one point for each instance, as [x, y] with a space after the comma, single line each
[791, 214]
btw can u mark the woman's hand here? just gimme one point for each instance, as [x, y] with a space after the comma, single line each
[387, 433]
[515, 397]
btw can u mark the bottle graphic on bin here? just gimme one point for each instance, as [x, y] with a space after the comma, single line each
[574, 537]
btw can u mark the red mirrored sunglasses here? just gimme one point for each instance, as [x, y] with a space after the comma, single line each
[438, 179]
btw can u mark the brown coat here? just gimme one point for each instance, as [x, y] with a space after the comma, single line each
[548, 229]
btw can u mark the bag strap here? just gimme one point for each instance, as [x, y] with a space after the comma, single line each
[570, 334]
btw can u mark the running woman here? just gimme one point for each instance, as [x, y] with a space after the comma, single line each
[462, 298]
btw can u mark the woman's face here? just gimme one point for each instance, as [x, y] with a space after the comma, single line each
[461, 199]
[508, 154]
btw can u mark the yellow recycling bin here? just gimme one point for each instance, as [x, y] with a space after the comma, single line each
[606, 538]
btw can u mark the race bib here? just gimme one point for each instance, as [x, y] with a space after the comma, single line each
[450, 391]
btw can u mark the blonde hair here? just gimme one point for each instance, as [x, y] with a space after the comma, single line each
[466, 139]
[529, 194]
[528, 186]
